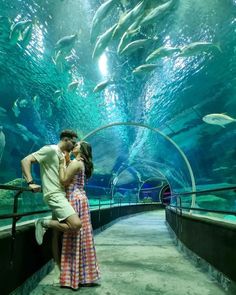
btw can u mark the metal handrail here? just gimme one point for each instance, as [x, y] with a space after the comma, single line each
[205, 210]
[15, 216]
[15, 188]
[206, 191]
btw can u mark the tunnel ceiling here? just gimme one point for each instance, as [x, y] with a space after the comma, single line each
[38, 99]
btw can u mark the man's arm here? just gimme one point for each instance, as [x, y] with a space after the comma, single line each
[26, 164]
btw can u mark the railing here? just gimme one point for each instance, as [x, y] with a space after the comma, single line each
[16, 216]
[202, 192]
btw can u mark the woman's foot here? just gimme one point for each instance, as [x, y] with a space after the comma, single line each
[89, 285]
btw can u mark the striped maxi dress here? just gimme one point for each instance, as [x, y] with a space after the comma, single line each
[78, 258]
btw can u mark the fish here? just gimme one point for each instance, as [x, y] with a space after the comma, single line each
[127, 19]
[36, 102]
[124, 40]
[60, 60]
[144, 68]
[27, 35]
[15, 108]
[98, 17]
[220, 168]
[23, 103]
[2, 142]
[17, 31]
[66, 43]
[26, 134]
[162, 52]
[198, 47]
[58, 93]
[18, 105]
[135, 45]
[102, 85]
[157, 12]
[103, 42]
[73, 85]
[218, 119]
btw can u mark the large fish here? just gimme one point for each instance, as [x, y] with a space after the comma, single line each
[145, 68]
[17, 31]
[36, 102]
[27, 35]
[15, 108]
[103, 42]
[157, 12]
[99, 16]
[198, 47]
[218, 119]
[162, 52]
[26, 134]
[60, 60]
[66, 43]
[2, 142]
[73, 85]
[99, 87]
[127, 19]
[126, 37]
[135, 45]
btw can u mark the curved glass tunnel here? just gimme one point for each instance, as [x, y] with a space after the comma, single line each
[154, 94]
[152, 118]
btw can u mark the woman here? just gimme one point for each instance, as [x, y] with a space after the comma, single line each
[78, 257]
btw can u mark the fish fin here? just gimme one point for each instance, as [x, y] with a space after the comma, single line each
[218, 47]
[222, 126]
[20, 38]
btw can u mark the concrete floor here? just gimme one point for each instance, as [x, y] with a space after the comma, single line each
[138, 257]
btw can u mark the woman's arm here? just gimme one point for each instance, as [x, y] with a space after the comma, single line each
[66, 174]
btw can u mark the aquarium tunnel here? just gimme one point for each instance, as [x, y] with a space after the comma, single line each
[151, 85]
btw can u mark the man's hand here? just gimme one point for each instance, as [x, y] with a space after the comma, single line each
[35, 187]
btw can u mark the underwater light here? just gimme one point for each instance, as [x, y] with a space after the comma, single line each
[102, 63]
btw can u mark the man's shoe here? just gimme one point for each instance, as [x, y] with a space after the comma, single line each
[39, 231]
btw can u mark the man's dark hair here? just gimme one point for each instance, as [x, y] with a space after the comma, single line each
[68, 133]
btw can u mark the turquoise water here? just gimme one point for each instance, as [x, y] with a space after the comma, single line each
[166, 137]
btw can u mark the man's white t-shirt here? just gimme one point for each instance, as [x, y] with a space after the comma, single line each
[48, 158]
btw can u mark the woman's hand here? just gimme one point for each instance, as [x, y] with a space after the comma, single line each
[67, 158]
[62, 161]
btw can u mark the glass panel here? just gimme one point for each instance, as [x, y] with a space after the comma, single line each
[47, 85]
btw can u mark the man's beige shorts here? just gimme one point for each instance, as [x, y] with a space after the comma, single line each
[60, 206]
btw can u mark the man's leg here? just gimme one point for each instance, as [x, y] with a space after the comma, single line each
[71, 223]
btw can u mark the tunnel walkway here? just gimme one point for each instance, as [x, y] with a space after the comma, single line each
[137, 257]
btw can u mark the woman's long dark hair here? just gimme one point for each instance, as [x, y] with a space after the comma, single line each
[86, 154]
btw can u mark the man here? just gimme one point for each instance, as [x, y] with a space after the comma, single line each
[64, 217]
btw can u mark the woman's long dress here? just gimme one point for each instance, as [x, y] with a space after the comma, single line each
[78, 259]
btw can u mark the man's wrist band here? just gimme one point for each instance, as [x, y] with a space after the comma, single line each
[30, 182]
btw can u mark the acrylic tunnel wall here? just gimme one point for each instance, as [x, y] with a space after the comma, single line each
[131, 153]
[47, 85]
[150, 84]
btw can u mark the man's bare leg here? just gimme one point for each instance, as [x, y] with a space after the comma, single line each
[71, 223]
